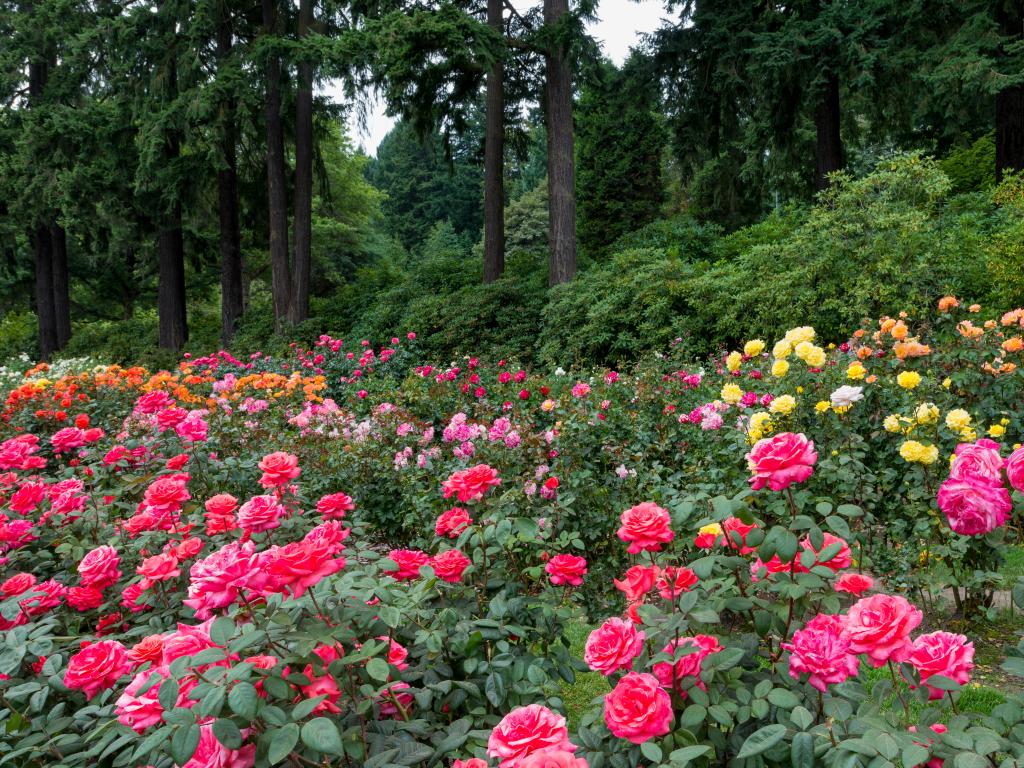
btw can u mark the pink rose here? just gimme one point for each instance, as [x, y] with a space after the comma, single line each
[638, 709]
[880, 627]
[409, 562]
[212, 754]
[334, 506]
[645, 527]
[1015, 469]
[822, 651]
[525, 730]
[260, 513]
[220, 513]
[974, 506]
[452, 522]
[18, 584]
[839, 561]
[980, 459]
[167, 494]
[695, 650]
[854, 583]
[300, 565]
[942, 653]
[162, 567]
[471, 484]
[217, 580]
[781, 460]
[99, 567]
[553, 759]
[672, 581]
[473, 762]
[279, 468]
[449, 565]
[566, 569]
[613, 646]
[637, 582]
[97, 667]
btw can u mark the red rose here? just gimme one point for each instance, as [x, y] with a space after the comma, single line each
[409, 562]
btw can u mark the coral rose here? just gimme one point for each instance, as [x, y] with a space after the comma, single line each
[612, 646]
[880, 627]
[449, 565]
[556, 758]
[333, 506]
[672, 581]
[854, 583]
[645, 527]
[638, 708]
[525, 730]
[695, 649]
[637, 582]
[471, 484]
[409, 562]
[781, 460]
[452, 522]
[841, 560]
[279, 468]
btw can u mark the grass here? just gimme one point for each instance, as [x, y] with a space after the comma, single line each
[1013, 568]
[579, 696]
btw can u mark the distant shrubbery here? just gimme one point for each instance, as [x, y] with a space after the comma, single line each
[897, 237]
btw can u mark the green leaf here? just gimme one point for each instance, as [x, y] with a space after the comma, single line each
[227, 733]
[651, 751]
[168, 694]
[761, 740]
[1014, 666]
[801, 717]
[322, 735]
[242, 699]
[914, 755]
[282, 741]
[494, 689]
[389, 615]
[222, 630]
[970, 760]
[184, 743]
[684, 756]
[378, 669]
[783, 698]
[801, 752]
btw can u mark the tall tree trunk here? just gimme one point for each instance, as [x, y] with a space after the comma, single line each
[1010, 101]
[829, 155]
[231, 305]
[171, 289]
[45, 314]
[561, 171]
[299, 308]
[277, 214]
[1009, 131]
[494, 160]
[61, 293]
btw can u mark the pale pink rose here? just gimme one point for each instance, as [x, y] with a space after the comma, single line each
[880, 627]
[638, 708]
[613, 646]
[781, 460]
[525, 730]
[822, 651]
[942, 653]
[980, 459]
[974, 506]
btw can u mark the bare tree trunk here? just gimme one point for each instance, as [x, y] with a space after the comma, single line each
[829, 155]
[281, 280]
[561, 170]
[299, 309]
[61, 292]
[171, 288]
[231, 306]
[494, 160]
[44, 291]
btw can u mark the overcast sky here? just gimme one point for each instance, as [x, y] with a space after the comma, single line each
[619, 26]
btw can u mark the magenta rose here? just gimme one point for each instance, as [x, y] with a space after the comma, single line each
[638, 708]
[566, 569]
[980, 459]
[781, 460]
[99, 567]
[942, 653]
[613, 646]
[97, 667]
[260, 513]
[645, 527]
[525, 730]
[1015, 469]
[974, 506]
[880, 627]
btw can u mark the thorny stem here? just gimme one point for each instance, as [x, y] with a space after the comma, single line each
[899, 690]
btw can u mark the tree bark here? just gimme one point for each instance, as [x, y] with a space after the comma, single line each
[231, 304]
[829, 155]
[561, 170]
[59, 277]
[277, 214]
[171, 290]
[1010, 101]
[299, 308]
[45, 314]
[494, 159]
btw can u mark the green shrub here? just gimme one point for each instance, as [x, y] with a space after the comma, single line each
[18, 335]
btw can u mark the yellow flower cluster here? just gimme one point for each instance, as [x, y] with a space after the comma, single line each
[856, 371]
[927, 413]
[822, 406]
[780, 368]
[731, 393]
[908, 379]
[783, 405]
[733, 361]
[753, 348]
[759, 426]
[958, 420]
[916, 452]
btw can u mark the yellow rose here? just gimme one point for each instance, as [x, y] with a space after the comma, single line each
[780, 368]
[913, 451]
[929, 455]
[958, 419]
[947, 382]
[856, 371]
[783, 404]
[908, 379]
[996, 430]
[804, 333]
[822, 405]
[816, 357]
[782, 349]
[713, 529]
[733, 361]
[731, 393]
[927, 413]
[891, 423]
[803, 349]
[753, 348]
[968, 435]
